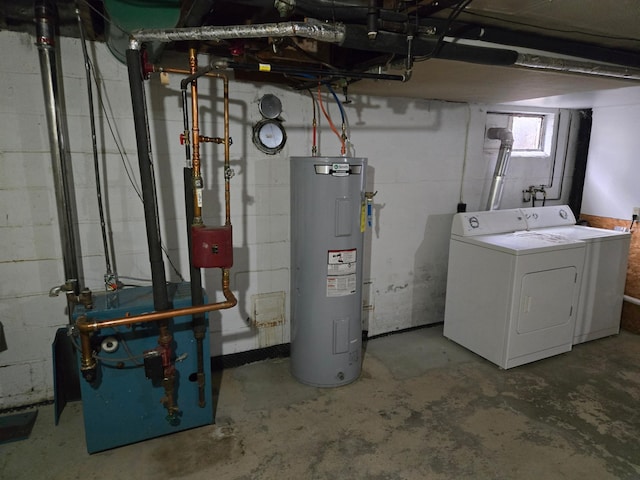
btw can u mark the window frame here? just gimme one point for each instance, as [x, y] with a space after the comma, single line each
[548, 128]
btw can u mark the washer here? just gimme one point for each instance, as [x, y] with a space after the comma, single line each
[605, 270]
[512, 294]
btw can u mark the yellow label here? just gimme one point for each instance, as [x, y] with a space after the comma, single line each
[363, 217]
[264, 67]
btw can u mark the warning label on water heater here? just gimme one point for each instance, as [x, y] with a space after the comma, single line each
[341, 272]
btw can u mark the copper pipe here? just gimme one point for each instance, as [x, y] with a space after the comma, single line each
[85, 326]
[195, 142]
[88, 363]
[169, 370]
[196, 139]
[227, 140]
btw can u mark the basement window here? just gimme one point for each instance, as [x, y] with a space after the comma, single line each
[528, 132]
[532, 132]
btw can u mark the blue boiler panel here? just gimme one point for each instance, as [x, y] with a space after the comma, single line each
[123, 406]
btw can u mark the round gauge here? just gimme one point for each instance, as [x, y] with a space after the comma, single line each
[269, 136]
[270, 106]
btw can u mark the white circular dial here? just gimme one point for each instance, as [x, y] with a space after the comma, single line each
[269, 136]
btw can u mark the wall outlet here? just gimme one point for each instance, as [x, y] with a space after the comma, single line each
[636, 211]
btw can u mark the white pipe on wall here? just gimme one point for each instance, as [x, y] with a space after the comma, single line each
[634, 300]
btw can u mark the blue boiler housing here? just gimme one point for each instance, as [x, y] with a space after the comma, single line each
[123, 406]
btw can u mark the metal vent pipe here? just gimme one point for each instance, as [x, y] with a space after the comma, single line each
[45, 19]
[502, 164]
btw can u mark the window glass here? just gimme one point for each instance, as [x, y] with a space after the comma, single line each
[527, 132]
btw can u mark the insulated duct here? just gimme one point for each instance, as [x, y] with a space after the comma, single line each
[348, 36]
[325, 32]
[358, 37]
[502, 164]
[563, 65]
[45, 17]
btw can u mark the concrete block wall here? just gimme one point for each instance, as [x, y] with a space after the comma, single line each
[416, 149]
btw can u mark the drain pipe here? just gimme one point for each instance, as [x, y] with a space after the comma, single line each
[502, 164]
[45, 18]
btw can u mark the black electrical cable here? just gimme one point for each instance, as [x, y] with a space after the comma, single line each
[96, 163]
[127, 166]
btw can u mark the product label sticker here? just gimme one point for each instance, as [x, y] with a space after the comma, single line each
[341, 268]
[336, 257]
[341, 286]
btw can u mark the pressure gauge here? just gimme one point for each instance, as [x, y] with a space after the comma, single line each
[269, 136]
[270, 106]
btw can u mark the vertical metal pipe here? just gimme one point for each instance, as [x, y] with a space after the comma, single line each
[195, 142]
[227, 144]
[61, 163]
[502, 164]
[150, 201]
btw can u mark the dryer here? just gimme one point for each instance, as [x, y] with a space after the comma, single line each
[605, 270]
[512, 294]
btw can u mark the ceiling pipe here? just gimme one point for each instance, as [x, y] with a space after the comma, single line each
[324, 32]
[304, 71]
[562, 65]
[357, 37]
[502, 164]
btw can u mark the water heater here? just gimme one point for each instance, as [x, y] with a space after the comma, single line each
[327, 225]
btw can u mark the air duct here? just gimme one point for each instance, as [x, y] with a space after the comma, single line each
[325, 32]
[502, 164]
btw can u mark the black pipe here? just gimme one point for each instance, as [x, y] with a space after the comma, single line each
[198, 322]
[562, 46]
[184, 83]
[147, 180]
[302, 71]
[356, 37]
[94, 145]
[373, 15]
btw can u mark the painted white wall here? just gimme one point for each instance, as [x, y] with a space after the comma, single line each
[611, 184]
[424, 158]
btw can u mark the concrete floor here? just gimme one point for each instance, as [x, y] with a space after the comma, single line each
[424, 408]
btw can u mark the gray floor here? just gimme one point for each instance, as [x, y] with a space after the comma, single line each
[424, 408]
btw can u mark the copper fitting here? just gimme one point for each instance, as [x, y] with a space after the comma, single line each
[88, 364]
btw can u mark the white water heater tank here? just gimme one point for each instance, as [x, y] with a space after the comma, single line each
[327, 226]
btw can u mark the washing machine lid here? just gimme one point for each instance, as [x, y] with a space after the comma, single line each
[470, 224]
[523, 242]
[551, 216]
[582, 232]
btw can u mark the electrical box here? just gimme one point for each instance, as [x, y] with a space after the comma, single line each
[212, 247]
